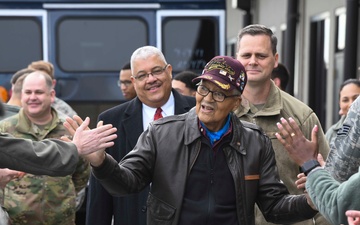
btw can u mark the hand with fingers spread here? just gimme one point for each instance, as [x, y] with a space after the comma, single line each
[299, 148]
[91, 143]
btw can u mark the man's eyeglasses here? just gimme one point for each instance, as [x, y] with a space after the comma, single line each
[155, 72]
[217, 96]
[127, 83]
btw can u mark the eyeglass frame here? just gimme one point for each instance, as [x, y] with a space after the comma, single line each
[145, 76]
[217, 93]
[127, 83]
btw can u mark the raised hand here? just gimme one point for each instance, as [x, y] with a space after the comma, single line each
[299, 148]
[89, 140]
[91, 143]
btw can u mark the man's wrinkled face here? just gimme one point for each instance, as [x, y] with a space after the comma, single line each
[214, 114]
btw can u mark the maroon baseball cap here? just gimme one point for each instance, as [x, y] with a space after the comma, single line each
[226, 72]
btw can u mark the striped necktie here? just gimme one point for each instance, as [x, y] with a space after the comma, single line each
[158, 114]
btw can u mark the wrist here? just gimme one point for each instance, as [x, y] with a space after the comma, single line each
[308, 166]
[98, 159]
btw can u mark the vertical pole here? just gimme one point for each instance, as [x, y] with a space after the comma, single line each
[351, 45]
[290, 41]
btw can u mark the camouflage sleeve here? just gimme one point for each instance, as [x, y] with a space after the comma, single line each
[81, 175]
[2, 128]
[61, 106]
[344, 157]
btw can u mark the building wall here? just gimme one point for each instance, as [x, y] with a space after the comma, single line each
[273, 13]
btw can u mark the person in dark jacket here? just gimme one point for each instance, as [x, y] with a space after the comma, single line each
[151, 77]
[204, 166]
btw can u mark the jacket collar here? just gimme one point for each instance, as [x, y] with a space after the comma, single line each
[133, 112]
[191, 127]
[182, 102]
[273, 104]
[192, 131]
[24, 125]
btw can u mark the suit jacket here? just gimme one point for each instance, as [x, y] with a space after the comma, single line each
[130, 210]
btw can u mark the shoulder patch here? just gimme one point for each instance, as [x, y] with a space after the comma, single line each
[344, 130]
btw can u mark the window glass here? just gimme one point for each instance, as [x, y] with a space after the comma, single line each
[341, 25]
[20, 42]
[98, 44]
[190, 42]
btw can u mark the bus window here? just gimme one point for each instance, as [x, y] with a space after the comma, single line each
[188, 43]
[21, 42]
[98, 44]
[340, 31]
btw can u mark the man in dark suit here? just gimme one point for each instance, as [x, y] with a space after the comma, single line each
[151, 76]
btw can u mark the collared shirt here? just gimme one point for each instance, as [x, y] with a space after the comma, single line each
[148, 112]
[217, 136]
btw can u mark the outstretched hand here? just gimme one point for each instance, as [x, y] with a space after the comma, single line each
[89, 140]
[72, 124]
[299, 148]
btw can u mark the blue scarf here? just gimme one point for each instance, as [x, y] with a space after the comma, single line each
[215, 136]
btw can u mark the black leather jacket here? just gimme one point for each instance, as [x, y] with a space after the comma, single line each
[165, 154]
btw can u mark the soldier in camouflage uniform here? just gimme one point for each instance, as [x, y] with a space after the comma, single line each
[60, 105]
[37, 199]
[344, 157]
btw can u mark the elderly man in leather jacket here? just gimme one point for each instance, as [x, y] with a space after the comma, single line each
[205, 166]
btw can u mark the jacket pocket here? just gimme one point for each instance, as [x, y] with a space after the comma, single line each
[159, 212]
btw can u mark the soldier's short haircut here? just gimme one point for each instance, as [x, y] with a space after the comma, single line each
[19, 74]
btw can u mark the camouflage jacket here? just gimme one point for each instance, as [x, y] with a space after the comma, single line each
[61, 106]
[331, 132]
[344, 157]
[40, 199]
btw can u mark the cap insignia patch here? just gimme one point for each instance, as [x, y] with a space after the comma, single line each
[221, 85]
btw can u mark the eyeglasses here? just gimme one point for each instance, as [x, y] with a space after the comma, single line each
[217, 96]
[155, 73]
[127, 83]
